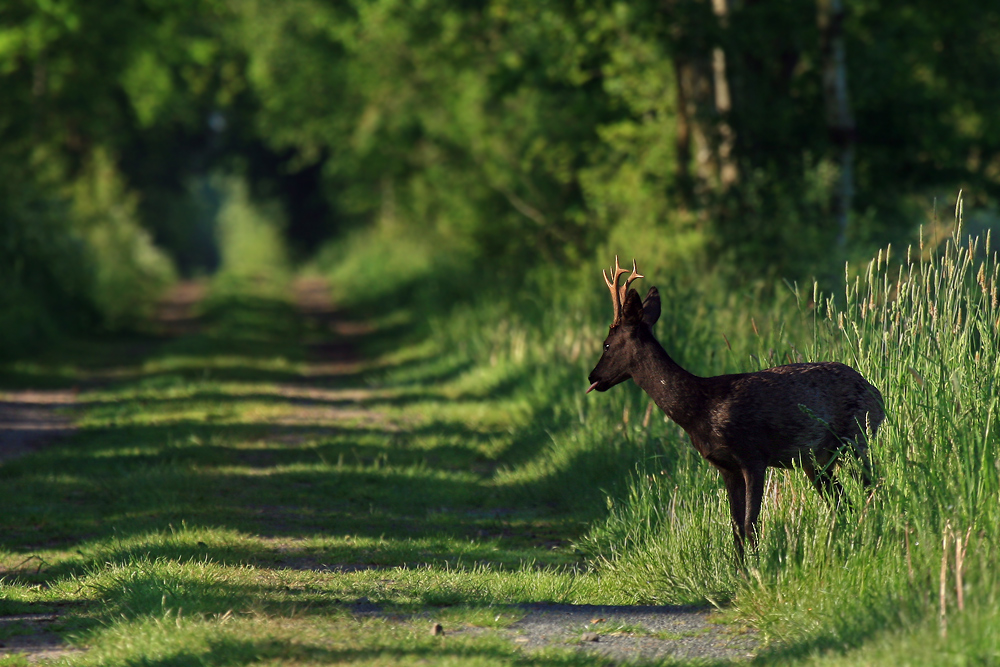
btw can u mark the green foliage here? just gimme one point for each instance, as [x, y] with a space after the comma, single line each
[74, 258]
[541, 131]
[73, 250]
[374, 266]
[42, 270]
[249, 233]
[128, 271]
[508, 133]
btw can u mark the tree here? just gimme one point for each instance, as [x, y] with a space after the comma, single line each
[839, 119]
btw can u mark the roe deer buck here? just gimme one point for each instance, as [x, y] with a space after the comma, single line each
[805, 413]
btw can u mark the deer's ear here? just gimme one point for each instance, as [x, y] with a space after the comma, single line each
[651, 307]
[632, 308]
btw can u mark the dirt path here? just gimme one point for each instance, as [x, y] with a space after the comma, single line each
[30, 420]
[630, 633]
[176, 314]
[617, 633]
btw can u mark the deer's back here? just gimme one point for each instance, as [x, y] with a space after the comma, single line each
[780, 413]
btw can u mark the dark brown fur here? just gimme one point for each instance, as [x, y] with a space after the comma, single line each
[804, 414]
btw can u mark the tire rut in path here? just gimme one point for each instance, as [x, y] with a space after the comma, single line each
[32, 419]
[321, 402]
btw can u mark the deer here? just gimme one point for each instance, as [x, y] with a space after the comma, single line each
[799, 414]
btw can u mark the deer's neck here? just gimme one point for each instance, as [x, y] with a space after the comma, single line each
[676, 391]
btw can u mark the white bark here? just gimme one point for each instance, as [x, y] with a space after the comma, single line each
[728, 173]
[839, 119]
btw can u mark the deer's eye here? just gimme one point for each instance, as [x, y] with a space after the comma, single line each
[607, 346]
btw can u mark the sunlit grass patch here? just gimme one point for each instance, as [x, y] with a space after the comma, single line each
[184, 589]
[302, 639]
[467, 584]
[206, 365]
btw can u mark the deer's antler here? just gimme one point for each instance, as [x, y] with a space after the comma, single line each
[618, 292]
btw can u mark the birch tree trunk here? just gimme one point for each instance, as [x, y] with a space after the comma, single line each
[728, 173]
[839, 119]
[694, 102]
[704, 103]
[682, 141]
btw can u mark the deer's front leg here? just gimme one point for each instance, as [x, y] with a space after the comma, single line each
[737, 492]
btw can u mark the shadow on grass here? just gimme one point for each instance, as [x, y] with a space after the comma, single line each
[126, 482]
[294, 388]
[411, 496]
[433, 481]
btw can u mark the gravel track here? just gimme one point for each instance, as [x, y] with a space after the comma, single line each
[630, 633]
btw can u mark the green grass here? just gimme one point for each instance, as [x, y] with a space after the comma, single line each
[923, 325]
[224, 501]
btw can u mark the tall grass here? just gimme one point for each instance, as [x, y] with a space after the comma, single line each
[916, 556]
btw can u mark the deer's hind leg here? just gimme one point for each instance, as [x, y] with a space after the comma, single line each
[819, 468]
[856, 442]
[754, 476]
[864, 458]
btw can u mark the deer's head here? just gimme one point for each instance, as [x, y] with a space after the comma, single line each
[631, 327]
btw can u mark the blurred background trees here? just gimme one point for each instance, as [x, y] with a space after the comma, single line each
[754, 138]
